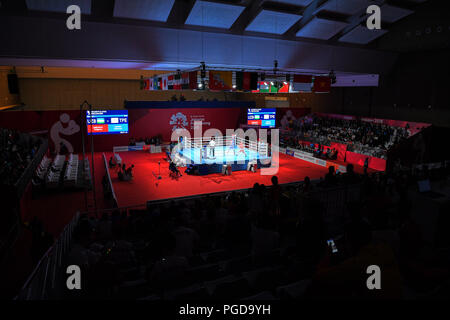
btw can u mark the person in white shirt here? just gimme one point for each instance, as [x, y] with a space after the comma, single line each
[212, 144]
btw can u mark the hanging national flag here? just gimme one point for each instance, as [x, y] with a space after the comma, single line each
[244, 81]
[150, 84]
[185, 80]
[155, 83]
[193, 80]
[273, 87]
[302, 83]
[177, 82]
[170, 82]
[220, 80]
[164, 83]
[284, 87]
[145, 84]
[263, 87]
[322, 84]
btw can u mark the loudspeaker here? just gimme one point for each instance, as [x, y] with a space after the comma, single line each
[13, 84]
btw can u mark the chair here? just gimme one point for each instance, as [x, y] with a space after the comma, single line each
[239, 264]
[200, 294]
[295, 290]
[262, 296]
[205, 273]
[232, 290]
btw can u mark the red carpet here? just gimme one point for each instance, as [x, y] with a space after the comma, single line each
[145, 185]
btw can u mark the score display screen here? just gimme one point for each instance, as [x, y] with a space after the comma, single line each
[107, 122]
[264, 118]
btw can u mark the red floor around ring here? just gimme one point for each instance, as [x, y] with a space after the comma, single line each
[145, 185]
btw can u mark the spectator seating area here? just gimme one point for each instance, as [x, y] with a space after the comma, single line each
[41, 171]
[71, 175]
[269, 242]
[20, 155]
[62, 172]
[17, 150]
[55, 172]
[368, 138]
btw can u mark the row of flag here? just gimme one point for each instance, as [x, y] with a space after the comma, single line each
[243, 81]
[179, 81]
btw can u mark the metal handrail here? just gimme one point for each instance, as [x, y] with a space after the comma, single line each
[60, 247]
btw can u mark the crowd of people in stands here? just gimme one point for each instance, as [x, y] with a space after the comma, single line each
[17, 150]
[368, 138]
[319, 151]
[269, 239]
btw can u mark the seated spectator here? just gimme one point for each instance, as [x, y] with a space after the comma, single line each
[186, 239]
[420, 267]
[129, 171]
[174, 170]
[306, 187]
[17, 150]
[330, 177]
[112, 162]
[171, 267]
[264, 238]
[275, 196]
[350, 176]
[332, 272]
[311, 232]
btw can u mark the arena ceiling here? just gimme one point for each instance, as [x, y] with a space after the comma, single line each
[302, 35]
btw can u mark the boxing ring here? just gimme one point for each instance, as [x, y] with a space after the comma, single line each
[236, 152]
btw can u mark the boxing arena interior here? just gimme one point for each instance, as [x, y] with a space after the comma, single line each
[206, 150]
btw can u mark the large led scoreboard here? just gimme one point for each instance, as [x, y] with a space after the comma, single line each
[107, 122]
[264, 118]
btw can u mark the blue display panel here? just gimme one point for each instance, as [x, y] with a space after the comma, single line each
[107, 122]
[264, 118]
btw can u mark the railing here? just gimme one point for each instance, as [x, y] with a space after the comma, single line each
[45, 280]
[26, 176]
[335, 199]
[432, 165]
[110, 185]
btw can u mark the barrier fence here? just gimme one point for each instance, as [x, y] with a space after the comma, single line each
[109, 187]
[45, 282]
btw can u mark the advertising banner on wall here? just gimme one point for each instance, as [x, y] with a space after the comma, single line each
[64, 126]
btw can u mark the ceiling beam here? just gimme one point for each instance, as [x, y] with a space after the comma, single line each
[114, 43]
[356, 20]
[247, 16]
[180, 12]
[308, 15]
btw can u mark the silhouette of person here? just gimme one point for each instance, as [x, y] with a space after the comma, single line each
[58, 128]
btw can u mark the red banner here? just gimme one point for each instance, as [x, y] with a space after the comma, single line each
[358, 159]
[341, 150]
[193, 80]
[142, 123]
